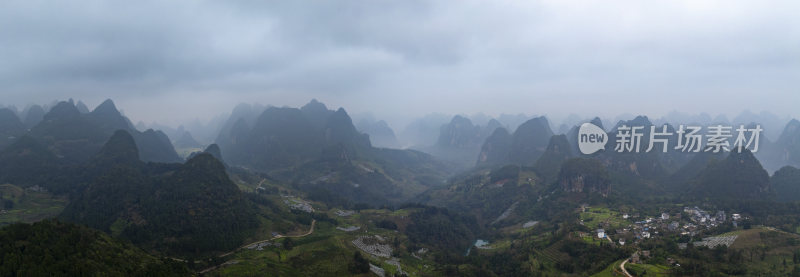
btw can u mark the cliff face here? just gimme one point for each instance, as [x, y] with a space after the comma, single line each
[584, 175]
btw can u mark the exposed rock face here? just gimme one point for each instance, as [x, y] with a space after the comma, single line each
[584, 175]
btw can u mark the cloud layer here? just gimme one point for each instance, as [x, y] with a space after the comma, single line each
[401, 58]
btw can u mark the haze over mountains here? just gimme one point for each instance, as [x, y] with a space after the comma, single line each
[399, 138]
[134, 186]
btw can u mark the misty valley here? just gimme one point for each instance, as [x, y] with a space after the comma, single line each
[285, 191]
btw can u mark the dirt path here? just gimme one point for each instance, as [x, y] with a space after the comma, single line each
[622, 267]
[310, 231]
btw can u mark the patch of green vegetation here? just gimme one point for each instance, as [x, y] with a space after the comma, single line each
[590, 239]
[594, 216]
[329, 251]
[647, 269]
[51, 247]
[610, 271]
[118, 226]
[28, 206]
[326, 252]
[731, 233]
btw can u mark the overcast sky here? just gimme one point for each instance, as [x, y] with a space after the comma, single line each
[171, 61]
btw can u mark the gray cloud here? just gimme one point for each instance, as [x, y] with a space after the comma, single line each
[401, 58]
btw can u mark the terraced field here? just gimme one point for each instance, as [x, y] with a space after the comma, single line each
[28, 205]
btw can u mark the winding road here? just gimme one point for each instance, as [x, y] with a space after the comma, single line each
[622, 267]
[310, 231]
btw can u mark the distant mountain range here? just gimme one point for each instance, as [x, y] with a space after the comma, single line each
[638, 173]
[380, 134]
[10, 127]
[460, 140]
[523, 147]
[74, 136]
[321, 148]
[194, 203]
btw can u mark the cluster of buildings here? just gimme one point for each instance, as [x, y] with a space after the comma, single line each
[297, 204]
[344, 213]
[690, 222]
[260, 246]
[702, 217]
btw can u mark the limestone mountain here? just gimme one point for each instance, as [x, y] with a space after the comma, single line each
[194, 204]
[316, 113]
[494, 195]
[28, 162]
[490, 127]
[155, 146]
[572, 134]
[339, 130]
[186, 141]
[75, 136]
[459, 133]
[460, 141]
[234, 141]
[739, 176]
[641, 164]
[81, 107]
[280, 137]
[107, 117]
[120, 149]
[283, 137]
[69, 134]
[786, 184]
[524, 147]
[557, 152]
[117, 181]
[423, 132]
[33, 115]
[785, 150]
[235, 128]
[214, 150]
[297, 145]
[10, 127]
[380, 134]
[495, 149]
[199, 206]
[681, 180]
[530, 141]
[584, 175]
